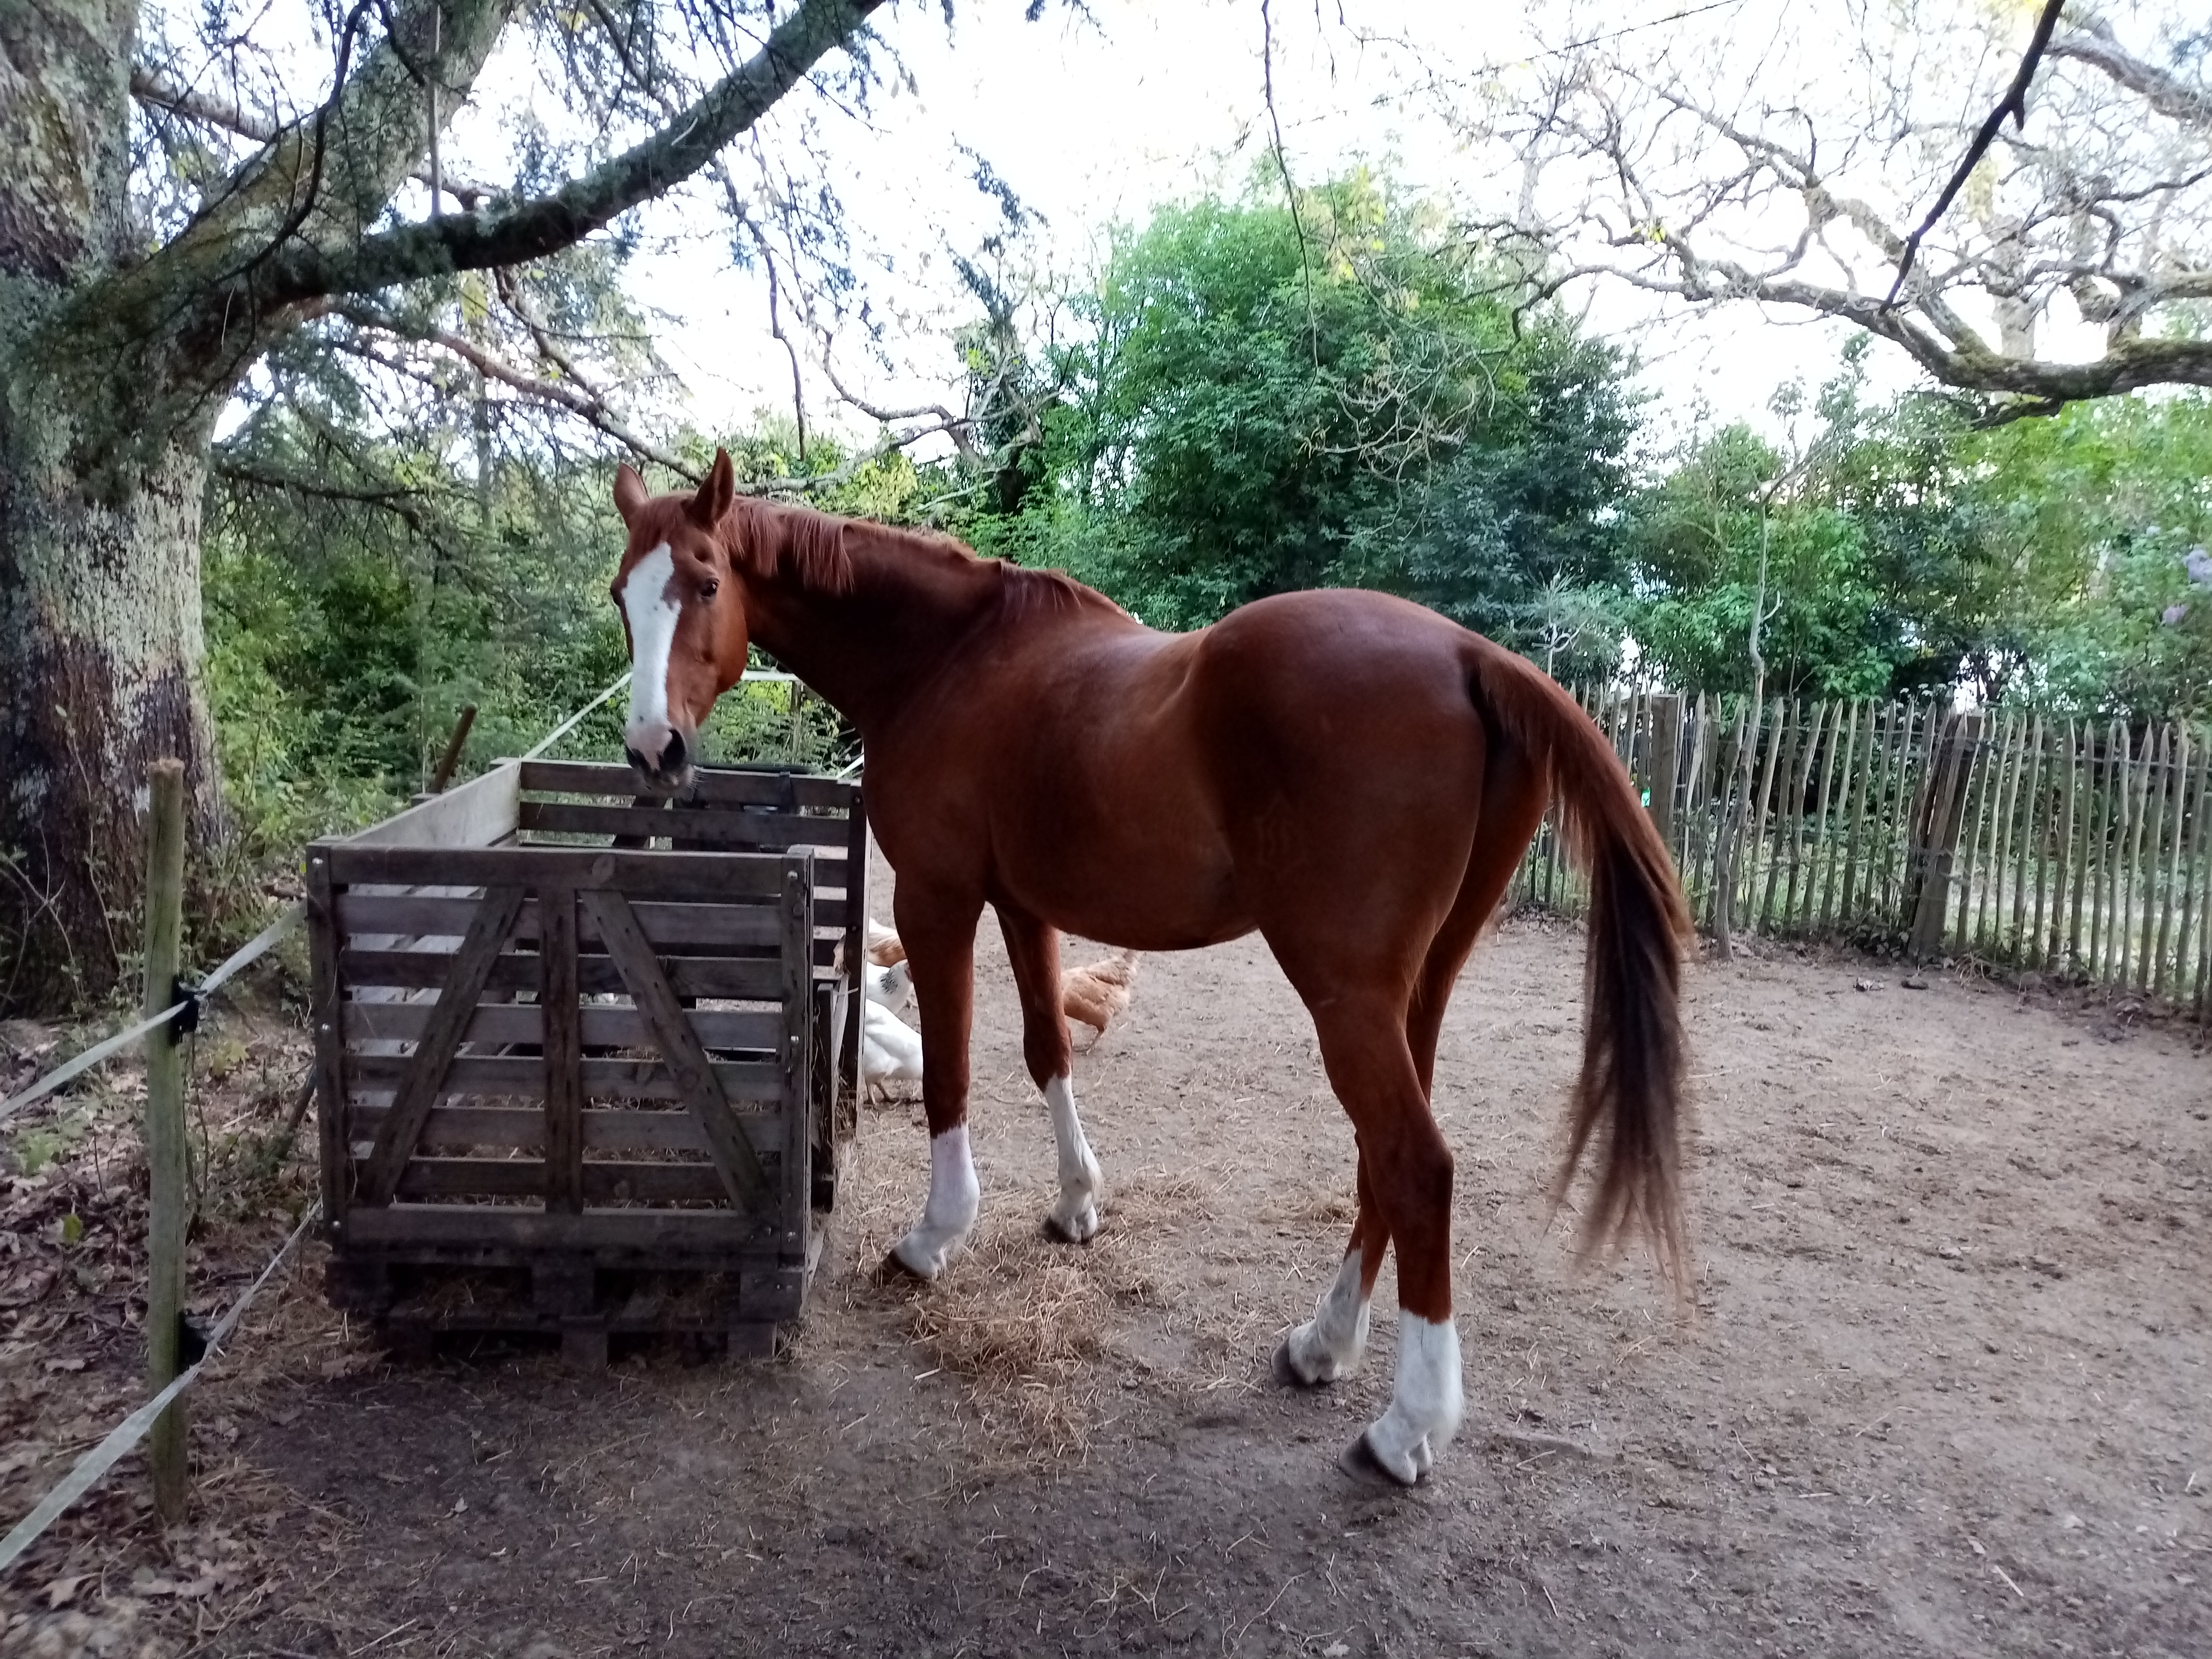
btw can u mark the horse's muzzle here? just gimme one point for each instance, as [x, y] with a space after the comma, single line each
[669, 770]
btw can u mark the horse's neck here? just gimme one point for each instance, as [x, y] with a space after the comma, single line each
[866, 649]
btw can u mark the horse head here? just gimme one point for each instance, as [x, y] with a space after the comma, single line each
[682, 600]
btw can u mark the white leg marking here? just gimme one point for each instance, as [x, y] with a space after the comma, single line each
[951, 1212]
[1081, 1186]
[1329, 1346]
[652, 614]
[1425, 1400]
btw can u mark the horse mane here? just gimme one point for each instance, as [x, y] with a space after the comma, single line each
[775, 540]
[772, 540]
[1028, 591]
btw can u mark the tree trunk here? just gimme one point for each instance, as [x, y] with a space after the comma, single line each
[99, 613]
[100, 653]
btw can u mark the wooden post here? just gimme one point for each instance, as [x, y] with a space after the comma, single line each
[1666, 764]
[168, 1198]
[1936, 836]
[452, 758]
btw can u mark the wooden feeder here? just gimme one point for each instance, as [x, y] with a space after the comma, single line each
[571, 1083]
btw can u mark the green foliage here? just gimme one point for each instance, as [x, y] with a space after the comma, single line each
[2090, 519]
[1872, 583]
[1267, 404]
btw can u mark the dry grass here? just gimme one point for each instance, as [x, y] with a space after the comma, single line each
[1025, 1321]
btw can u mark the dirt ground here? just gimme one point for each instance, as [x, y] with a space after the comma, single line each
[1945, 1389]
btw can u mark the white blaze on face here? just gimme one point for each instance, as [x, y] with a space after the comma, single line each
[651, 610]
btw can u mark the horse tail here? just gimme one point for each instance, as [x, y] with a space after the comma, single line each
[1628, 1096]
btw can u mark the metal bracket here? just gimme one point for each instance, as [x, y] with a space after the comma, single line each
[184, 991]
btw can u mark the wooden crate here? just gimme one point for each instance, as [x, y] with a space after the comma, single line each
[587, 1064]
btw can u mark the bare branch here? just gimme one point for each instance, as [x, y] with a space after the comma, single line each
[2169, 95]
[2015, 104]
[580, 400]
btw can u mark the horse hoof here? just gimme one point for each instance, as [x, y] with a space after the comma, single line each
[893, 1270]
[1288, 1375]
[1361, 1464]
[1059, 1233]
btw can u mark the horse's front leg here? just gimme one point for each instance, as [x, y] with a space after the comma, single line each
[1033, 948]
[940, 947]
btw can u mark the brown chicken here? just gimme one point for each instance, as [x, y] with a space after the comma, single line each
[1095, 995]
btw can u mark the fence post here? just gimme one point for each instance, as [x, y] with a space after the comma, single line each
[452, 758]
[1666, 764]
[167, 1200]
[1936, 832]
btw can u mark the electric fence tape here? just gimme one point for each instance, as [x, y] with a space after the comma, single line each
[132, 1429]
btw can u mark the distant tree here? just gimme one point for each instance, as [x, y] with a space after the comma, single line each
[1268, 401]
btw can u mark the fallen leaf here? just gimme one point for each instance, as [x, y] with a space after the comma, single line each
[62, 1591]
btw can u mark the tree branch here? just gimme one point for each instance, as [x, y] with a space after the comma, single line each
[511, 233]
[156, 91]
[2013, 104]
[2167, 94]
[582, 401]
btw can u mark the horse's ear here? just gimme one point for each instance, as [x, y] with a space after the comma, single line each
[629, 491]
[713, 498]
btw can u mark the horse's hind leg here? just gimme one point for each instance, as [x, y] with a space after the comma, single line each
[1329, 1345]
[1409, 1171]
[1033, 949]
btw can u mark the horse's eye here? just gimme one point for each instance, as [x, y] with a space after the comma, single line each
[709, 588]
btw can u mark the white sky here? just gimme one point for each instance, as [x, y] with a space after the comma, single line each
[1095, 121]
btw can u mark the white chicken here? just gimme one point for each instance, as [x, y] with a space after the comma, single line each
[890, 1049]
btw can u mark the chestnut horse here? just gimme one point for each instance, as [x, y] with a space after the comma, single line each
[1353, 775]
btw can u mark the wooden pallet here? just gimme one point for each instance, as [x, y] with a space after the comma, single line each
[587, 1062]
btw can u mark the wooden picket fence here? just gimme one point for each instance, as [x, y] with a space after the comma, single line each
[2079, 849]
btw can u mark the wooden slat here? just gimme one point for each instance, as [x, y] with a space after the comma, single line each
[2200, 884]
[797, 1049]
[2173, 782]
[600, 1182]
[1777, 834]
[1815, 729]
[679, 1045]
[711, 877]
[1842, 733]
[747, 787]
[323, 1014]
[480, 812]
[495, 1024]
[855, 931]
[2144, 857]
[1866, 785]
[663, 1236]
[2028, 819]
[2080, 814]
[1981, 827]
[744, 978]
[563, 1054]
[735, 828]
[2103, 809]
[666, 924]
[754, 1085]
[2198, 782]
[522, 1128]
[441, 1037]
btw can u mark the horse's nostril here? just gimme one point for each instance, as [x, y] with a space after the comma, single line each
[673, 757]
[637, 760]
